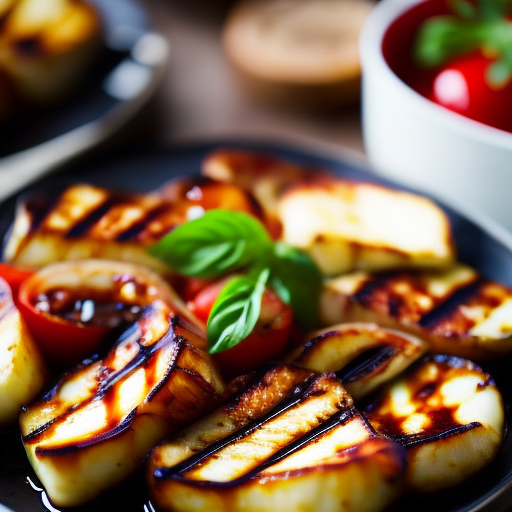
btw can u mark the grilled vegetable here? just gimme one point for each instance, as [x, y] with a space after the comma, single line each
[456, 310]
[22, 368]
[44, 52]
[348, 225]
[96, 425]
[292, 441]
[449, 416]
[363, 356]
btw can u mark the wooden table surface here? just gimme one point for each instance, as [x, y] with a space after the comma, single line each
[203, 97]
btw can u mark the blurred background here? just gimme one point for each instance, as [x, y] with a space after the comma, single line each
[203, 93]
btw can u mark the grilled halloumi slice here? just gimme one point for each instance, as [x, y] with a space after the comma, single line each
[456, 310]
[264, 176]
[95, 427]
[302, 446]
[46, 47]
[362, 355]
[346, 225]
[448, 414]
[23, 371]
[86, 221]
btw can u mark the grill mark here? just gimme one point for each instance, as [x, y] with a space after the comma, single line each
[105, 436]
[367, 363]
[110, 379]
[137, 228]
[85, 224]
[38, 206]
[366, 292]
[411, 440]
[443, 310]
[297, 396]
[28, 47]
[339, 418]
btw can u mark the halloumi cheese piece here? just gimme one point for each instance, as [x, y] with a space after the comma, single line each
[448, 414]
[264, 176]
[94, 428]
[346, 225]
[302, 446]
[23, 371]
[362, 355]
[455, 310]
[85, 221]
[46, 47]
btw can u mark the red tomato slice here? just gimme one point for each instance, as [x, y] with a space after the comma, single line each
[61, 341]
[266, 343]
[14, 276]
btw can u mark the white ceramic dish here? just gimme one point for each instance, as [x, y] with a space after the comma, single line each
[411, 139]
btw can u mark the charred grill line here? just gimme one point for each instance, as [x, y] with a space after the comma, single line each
[411, 440]
[38, 206]
[297, 396]
[84, 225]
[137, 228]
[366, 364]
[339, 418]
[110, 379]
[440, 312]
[105, 436]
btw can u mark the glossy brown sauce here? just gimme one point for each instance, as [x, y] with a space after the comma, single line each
[427, 400]
[92, 306]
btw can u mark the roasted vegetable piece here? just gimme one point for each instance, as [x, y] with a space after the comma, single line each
[363, 356]
[95, 426]
[455, 310]
[22, 369]
[448, 414]
[292, 441]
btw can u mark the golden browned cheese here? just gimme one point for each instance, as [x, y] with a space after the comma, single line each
[96, 425]
[45, 49]
[298, 447]
[86, 221]
[263, 175]
[364, 356]
[23, 371]
[448, 414]
[346, 225]
[455, 310]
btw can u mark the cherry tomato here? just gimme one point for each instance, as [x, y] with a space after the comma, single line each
[14, 276]
[266, 343]
[461, 86]
[60, 340]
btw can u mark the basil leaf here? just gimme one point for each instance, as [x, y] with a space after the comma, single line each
[236, 311]
[218, 242]
[298, 281]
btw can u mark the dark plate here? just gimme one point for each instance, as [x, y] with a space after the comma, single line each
[490, 254]
[131, 55]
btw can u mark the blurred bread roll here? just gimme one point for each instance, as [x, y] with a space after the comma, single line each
[299, 50]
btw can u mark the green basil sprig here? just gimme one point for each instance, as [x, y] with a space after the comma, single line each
[480, 25]
[222, 242]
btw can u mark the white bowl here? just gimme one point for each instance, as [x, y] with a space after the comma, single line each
[411, 139]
